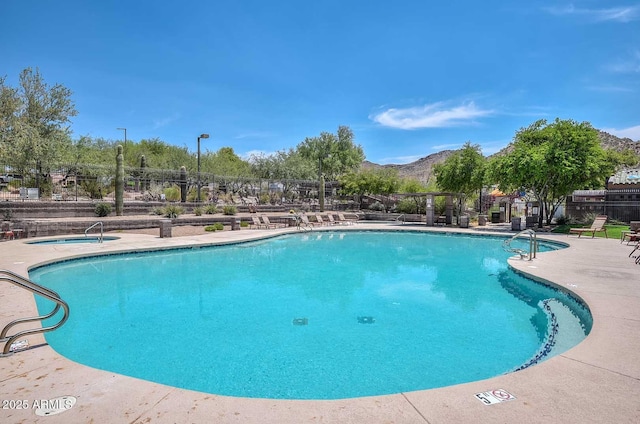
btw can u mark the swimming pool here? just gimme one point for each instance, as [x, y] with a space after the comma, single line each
[315, 316]
[74, 240]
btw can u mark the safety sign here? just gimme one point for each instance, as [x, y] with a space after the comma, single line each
[494, 396]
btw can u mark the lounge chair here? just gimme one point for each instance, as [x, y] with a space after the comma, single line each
[265, 220]
[344, 220]
[256, 223]
[319, 220]
[305, 220]
[331, 220]
[597, 225]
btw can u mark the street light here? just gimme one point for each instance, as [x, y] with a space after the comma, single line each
[201, 136]
[124, 149]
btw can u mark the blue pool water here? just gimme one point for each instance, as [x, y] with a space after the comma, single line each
[74, 240]
[314, 316]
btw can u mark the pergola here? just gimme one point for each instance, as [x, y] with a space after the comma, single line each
[431, 217]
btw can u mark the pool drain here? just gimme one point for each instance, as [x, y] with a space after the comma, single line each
[300, 321]
[46, 407]
[366, 320]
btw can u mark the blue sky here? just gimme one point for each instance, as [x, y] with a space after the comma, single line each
[410, 78]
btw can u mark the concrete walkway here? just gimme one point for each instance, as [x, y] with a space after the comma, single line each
[597, 381]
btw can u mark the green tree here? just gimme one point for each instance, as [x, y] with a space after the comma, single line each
[370, 182]
[553, 160]
[225, 162]
[462, 171]
[34, 119]
[332, 154]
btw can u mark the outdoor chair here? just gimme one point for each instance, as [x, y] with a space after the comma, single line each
[265, 220]
[344, 220]
[305, 220]
[319, 220]
[597, 225]
[256, 222]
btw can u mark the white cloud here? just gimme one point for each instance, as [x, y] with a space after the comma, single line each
[250, 153]
[616, 14]
[435, 115]
[632, 132]
[163, 122]
[452, 146]
[254, 134]
[627, 66]
[400, 160]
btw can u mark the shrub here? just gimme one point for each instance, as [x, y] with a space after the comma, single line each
[157, 211]
[264, 199]
[198, 210]
[210, 209]
[173, 211]
[102, 209]
[406, 206]
[218, 226]
[172, 194]
[377, 206]
[563, 220]
[229, 210]
[588, 218]
[244, 224]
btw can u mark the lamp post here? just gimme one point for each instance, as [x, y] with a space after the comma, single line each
[201, 136]
[124, 149]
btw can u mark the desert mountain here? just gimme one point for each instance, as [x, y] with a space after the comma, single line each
[422, 169]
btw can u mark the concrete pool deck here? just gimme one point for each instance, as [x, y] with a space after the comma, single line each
[595, 382]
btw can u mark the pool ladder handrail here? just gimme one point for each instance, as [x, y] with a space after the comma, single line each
[34, 288]
[401, 216]
[101, 230]
[533, 244]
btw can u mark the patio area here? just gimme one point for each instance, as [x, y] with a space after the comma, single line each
[597, 381]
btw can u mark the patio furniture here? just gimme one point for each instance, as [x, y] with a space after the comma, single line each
[597, 225]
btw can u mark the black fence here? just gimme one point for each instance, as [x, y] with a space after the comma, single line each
[620, 205]
[95, 182]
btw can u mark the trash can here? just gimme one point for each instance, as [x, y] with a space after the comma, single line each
[235, 224]
[495, 217]
[482, 220]
[464, 221]
[515, 223]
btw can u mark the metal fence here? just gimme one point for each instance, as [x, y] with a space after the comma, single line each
[94, 182]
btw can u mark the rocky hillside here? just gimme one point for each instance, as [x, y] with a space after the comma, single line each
[609, 141]
[422, 169]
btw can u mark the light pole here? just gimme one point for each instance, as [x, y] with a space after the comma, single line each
[124, 149]
[201, 136]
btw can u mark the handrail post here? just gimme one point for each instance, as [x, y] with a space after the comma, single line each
[34, 288]
[101, 230]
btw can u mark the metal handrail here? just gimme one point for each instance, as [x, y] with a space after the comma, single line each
[533, 244]
[401, 216]
[29, 285]
[101, 230]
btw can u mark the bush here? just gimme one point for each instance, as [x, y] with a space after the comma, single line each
[198, 210]
[229, 210]
[172, 194]
[377, 206]
[218, 226]
[102, 209]
[406, 206]
[210, 209]
[173, 211]
[244, 224]
[157, 211]
[563, 220]
[264, 199]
